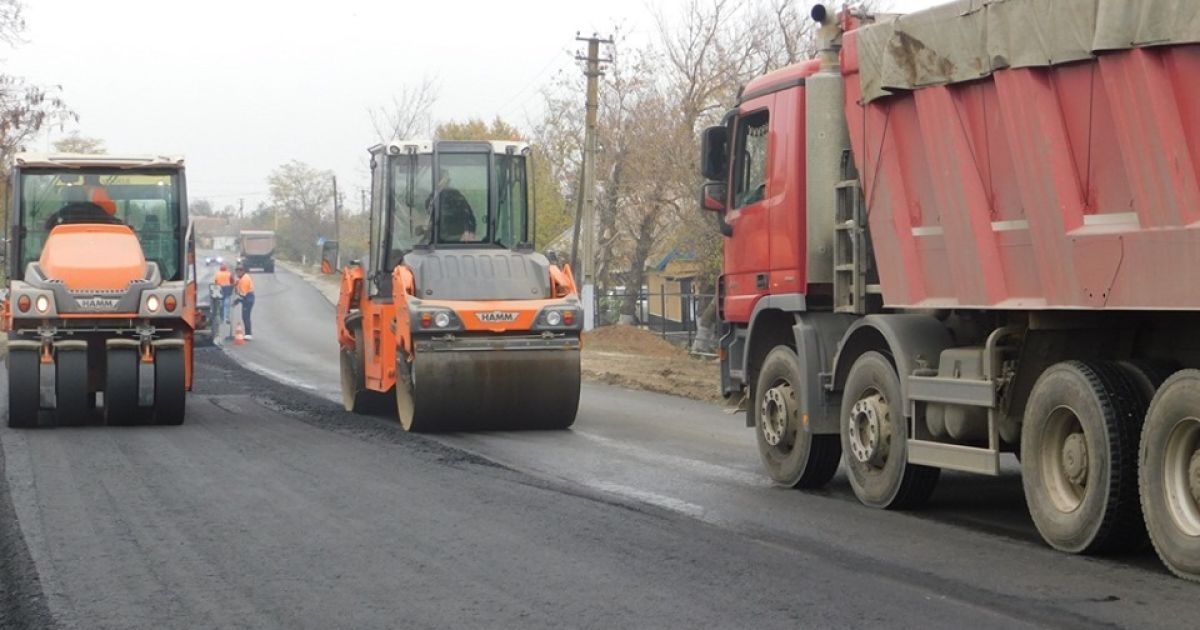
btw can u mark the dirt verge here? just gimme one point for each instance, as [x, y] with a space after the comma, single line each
[637, 359]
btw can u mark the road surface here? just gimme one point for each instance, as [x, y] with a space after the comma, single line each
[273, 508]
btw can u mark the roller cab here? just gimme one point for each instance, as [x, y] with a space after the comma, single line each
[454, 321]
[100, 303]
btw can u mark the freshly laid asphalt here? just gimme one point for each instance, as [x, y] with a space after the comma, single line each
[271, 507]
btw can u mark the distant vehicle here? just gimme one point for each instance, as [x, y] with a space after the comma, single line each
[257, 250]
[214, 260]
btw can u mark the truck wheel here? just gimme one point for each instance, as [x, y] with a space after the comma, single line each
[24, 389]
[1079, 441]
[1169, 464]
[121, 387]
[170, 389]
[874, 438]
[792, 455]
[1147, 375]
[72, 405]
[269, 267]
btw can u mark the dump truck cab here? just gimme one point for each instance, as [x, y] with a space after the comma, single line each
[100, 304]
[453, 309]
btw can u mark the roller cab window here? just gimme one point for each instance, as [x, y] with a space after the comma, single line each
[148, 202]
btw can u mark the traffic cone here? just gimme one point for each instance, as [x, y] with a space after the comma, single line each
[239, 335]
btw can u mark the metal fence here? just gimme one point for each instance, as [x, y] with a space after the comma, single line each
[673, 315]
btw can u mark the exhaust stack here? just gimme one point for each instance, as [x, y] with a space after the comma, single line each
[826, 140]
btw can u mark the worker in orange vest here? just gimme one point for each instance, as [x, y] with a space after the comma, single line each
[224, 279]
[245, 291]
[98, 195]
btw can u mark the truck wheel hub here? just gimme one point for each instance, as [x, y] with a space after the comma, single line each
[1074, 457]
[779, 403]
[870, 430]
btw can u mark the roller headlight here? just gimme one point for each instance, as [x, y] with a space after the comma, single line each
[42, 303]
[441, 319]
[152, 304]
[554, 318]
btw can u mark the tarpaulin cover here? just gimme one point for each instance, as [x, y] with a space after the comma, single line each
[970, 39]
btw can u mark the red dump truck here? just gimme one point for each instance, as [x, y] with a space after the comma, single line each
[969, 231]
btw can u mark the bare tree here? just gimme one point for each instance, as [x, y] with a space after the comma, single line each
[76, 143]
[409, 114]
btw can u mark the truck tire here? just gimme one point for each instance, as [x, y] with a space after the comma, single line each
[1148, 375]
[1169, 473]
[24, 389]
[791, 453]
[269, 267]
[1079, 442]
[72, 405]
[874, 438]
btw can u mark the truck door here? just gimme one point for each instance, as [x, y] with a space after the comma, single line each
[748, 250]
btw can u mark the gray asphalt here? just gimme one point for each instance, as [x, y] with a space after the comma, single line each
[273, 508]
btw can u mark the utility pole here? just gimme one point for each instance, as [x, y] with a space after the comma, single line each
[337, 224]
[241, 209]
[587, 214]
[363, 199]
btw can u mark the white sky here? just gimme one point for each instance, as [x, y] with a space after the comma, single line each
[239, 87]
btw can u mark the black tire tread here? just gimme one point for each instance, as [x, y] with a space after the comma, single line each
[23, 393]
[1124, 528]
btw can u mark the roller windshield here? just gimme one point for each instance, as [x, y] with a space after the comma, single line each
[477, 198]
[147, 202]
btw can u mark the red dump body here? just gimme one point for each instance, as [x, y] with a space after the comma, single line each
[1070, 185]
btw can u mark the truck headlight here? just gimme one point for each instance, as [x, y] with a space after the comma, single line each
[441, 319]
[152, 304]
[42, 303]
[554, 318]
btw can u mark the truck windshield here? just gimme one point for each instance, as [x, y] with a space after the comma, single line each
[147, 202]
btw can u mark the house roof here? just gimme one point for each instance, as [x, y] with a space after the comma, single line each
[675, 255]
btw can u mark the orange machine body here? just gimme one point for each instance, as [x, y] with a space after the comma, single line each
[385, 323]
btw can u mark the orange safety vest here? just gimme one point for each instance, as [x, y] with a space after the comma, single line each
[99, 196]
[223, 278]
[245, 286]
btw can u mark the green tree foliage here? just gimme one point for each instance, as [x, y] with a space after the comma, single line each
[550, 206]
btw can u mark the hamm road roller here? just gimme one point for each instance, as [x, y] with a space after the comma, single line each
[453, 315]
[100, 303]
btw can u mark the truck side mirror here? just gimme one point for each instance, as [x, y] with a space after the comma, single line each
[714, 153]
[712, 196]
[329, 257]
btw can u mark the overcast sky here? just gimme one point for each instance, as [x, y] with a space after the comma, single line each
[239, 87]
